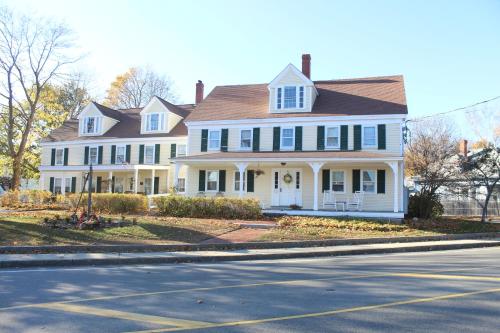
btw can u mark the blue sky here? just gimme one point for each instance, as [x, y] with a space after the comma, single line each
[448, 51]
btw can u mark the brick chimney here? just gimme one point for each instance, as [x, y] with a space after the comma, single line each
[462, 147]
[306, 65]
[199, 92]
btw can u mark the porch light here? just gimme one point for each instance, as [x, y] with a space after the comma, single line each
[283, 163]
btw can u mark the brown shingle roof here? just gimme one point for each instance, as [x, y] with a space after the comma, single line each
[286, 154]
[363, 96]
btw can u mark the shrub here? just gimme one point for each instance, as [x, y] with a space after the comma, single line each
[112, 203]
[17, 198]
[225, 208]
[425, 206]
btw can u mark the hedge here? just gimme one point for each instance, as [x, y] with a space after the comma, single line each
[224, 208]
[16, 198]
[112, 203]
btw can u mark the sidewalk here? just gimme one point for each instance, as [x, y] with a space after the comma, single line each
[84, 259]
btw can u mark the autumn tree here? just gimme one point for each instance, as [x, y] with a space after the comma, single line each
[33, 53]
[136, 87]
[73, 95]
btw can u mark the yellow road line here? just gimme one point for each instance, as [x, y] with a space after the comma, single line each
[266, 283]
[123, 315]
[449, 277]
[328, 313]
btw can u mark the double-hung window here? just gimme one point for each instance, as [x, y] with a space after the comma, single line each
[91, 125]
[368, 180]
[290, 98]
[287, 138]
[93, 155]
[212, 181]
[338, 181]
[181, 185]
[149, 154]
[155, 122]
[57, 185]
[237, 181]
[120, 154]
[246, 139]
[332, 137]
[181, 150]
[59, 156]
[214, 140]
[67, 185]
[369, 136]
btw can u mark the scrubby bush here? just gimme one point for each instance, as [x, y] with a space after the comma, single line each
[347, 224]
[220, 207]
[113, 203]
[26, 198]
[425, 206]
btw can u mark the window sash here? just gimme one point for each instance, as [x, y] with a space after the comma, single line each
[181, 185]
[290, 97]
[246, 139]
[181, 150]
[67, 185]
[213, 140]
[59, 156]
[212, 182]
[278, 98]
[369, 181]
[237, 181]
[338, 181]
[120, 154]
[301, 97]
[332, 137]
[369, 136]
[149, 154]
[57, 185]
[287, 137]
[93, 155]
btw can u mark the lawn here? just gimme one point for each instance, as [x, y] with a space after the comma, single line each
[25, 229]
[311, 228]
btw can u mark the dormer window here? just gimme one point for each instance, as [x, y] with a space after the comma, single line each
[155, 122]
[91, 125]
[290, 97]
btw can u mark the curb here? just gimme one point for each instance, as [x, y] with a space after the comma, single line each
[236, 257]
[233, 246]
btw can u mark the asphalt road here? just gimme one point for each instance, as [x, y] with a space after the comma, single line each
[446, 291]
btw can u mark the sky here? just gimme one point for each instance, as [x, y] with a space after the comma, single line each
[448, 51]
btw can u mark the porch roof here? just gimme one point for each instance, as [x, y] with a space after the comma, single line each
[298, 156]
[105, 167]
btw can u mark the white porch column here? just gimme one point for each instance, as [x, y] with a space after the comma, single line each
[315, 166]
[153, 181]
[241, 168]
[110, 181]
[136, 180]
[395, 175]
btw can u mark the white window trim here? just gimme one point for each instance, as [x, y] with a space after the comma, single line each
[124, 154]
[177, 149]
[55, 157]
[161, 122]
[67, 184]
[61, 186]
[251, 138]
[97, 154]
[206, 181]
[97, 125]
[208, 139]
[363, 145]
[154, 154]
[375, 181]
[184, 185]
[297, 97]
[292, 147]
[344, 180]
[326, 137]
[245, 178]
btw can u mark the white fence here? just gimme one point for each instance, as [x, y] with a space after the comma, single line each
[469, 207]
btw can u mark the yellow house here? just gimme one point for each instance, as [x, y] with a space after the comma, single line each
[329, 147]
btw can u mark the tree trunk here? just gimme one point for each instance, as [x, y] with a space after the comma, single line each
[16, 173]
[485, 206]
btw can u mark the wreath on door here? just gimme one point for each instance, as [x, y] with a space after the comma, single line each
[287, 178]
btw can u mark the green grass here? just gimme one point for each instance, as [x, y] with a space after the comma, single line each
[26, 229]
[312, 228]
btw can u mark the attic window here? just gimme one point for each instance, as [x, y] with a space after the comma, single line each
[290, 97]
[91, 125]
[155, 122]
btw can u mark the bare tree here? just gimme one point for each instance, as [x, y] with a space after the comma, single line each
[74, 95]
[33, 52]
[136, 87]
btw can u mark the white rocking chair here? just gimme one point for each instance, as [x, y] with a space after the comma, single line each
[329, 200]
[357, 201]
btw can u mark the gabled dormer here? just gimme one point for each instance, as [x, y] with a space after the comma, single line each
[96, 119]
[160, 116]
[292, 91]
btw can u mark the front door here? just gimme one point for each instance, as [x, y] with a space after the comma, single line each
[287, 187]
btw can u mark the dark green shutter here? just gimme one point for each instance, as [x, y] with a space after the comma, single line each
[86, 156]
[157, 153]
[326, 180]
[99, 157]
[66, 156]
[113, 153]
[113, 184]
[127, 153]
[51, 184]
[141, 154]
[357, 137]
[98, 184]
[320, 138]
[344, 130]
[173, 150]
[298, 138]
[157, 185]
[276, 138]
[250, 181]
[356, 180]
[222, 180]
[204, 139]
[223, 139]
[73, 184]
[381, 136]
[256, 139]
[53, 157]
[201, 181]
[380, 181]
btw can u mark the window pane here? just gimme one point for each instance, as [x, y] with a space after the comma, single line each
[301, 97]
[278, 104]
[290, 97]
[214, 139]
[287, 137]
[181, 150]
[153, 122]
[120, 154]
[59, 156]
[181, 185]
[369, 136]
[246, 138]
[67, 185]
[57, 185]
[90, 125]
[368, 176]
[93, 155]
[212, 179]
[369, 181]
[237, 181]
[332, 137]
[338, 181]
[149, 154]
